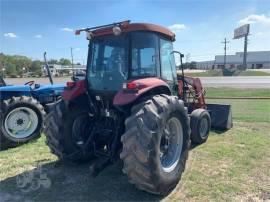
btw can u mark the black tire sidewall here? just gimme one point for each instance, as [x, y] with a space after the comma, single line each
[144, 130]
[204, 115]
[196, 118]
[172, 177]
[68, 121]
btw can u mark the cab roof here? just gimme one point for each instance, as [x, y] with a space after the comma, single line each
[130, 27]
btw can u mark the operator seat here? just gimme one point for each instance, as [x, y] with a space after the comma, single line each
[116, 62]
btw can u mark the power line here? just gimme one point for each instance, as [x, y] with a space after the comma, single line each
[225, 50]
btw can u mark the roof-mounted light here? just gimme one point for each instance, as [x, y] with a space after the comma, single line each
[116, 30]
[115, 26]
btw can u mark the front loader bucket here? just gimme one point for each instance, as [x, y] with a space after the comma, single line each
[221, 116]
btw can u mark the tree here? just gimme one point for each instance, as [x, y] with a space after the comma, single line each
[52, 61]
[10, 69]
[64, 61]
[193, 65]
[36, 67]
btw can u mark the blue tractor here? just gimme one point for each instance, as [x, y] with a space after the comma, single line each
[23, 109]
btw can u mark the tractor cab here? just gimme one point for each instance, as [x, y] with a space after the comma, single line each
[123, 52]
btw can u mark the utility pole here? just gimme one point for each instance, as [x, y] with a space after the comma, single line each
[71, 51]
[245, 52]
[225, 51]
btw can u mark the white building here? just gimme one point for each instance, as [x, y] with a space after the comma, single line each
[58, 70]
[255, 60]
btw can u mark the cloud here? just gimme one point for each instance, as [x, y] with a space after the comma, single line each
[38, 36]
[66, 29]
[252, 19]
[177, 27]
[10, 35]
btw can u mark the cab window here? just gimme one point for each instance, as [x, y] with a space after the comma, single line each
[168, 70]
[144, 61]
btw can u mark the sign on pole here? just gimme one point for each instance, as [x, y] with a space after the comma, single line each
[241, 31]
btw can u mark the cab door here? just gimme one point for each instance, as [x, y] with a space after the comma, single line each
[167, 63]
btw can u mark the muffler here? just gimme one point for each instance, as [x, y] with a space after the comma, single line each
[221, 116]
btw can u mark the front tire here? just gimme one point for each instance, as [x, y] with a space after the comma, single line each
[145, 146]
[200, 123]
[21, 121]
[66, 131]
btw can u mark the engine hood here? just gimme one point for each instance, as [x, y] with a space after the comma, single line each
[24, 88]
[56, 88]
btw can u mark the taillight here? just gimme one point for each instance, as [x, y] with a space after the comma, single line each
[131, 86]
[71, 84]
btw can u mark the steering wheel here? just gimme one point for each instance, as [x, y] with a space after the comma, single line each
[30, 83]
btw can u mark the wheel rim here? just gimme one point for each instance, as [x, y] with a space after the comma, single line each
[21, 122]
[171, 144]
[203, 128]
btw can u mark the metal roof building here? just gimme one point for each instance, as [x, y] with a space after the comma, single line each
[255, 60]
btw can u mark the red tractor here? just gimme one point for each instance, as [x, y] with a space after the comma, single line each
[133, 104]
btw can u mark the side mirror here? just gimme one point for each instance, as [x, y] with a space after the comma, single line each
[181, 56]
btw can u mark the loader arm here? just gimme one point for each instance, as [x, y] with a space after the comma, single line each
[191, 88]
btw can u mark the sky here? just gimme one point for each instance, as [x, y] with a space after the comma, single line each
[30, 27]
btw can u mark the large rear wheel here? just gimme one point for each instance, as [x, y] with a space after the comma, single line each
[21, 120]
[67, 130]
[156, 144]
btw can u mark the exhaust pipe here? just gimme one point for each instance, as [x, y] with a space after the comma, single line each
[221, 116]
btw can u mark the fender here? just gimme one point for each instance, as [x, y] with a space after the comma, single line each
[74, 89]
[127, 96]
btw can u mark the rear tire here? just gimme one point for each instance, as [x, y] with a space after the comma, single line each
[200, 123]
[63, 128]
[143, 151]
[21, 121]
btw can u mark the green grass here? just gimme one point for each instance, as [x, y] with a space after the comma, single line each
[209, 73]
[213, 73]
[253, 73]
[248, 110]
[230, 166]
[236, 92]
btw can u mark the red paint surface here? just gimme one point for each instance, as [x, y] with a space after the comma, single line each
[77, 90]
[125, 97]
[137, 27]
